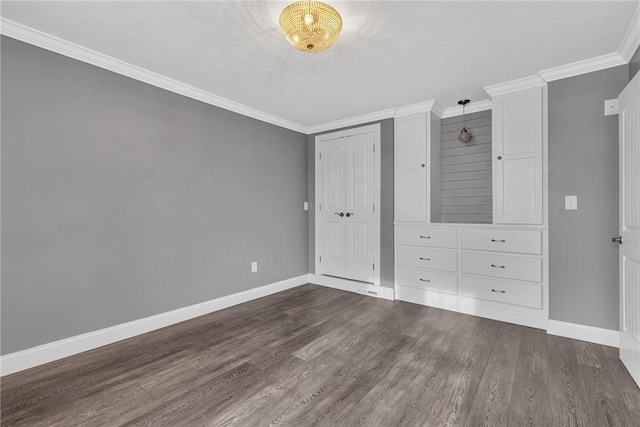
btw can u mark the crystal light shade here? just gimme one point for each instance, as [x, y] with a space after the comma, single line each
[310, 26]
[464, 135]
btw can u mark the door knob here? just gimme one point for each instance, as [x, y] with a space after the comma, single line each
[350, 214]
[617, 239]
[340, 213]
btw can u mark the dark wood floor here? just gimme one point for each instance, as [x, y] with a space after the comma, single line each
[318, 356]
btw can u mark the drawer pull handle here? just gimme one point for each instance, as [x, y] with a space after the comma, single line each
[498, 266]
[425, 259]
[498, 240]
[423, 280]
[425, 237]
[499, 292]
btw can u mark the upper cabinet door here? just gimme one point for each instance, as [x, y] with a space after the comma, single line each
[517, 157]
[410, 145]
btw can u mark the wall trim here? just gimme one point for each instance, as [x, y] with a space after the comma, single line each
[514, 85]
[352, 121]
[55, 44]
[582, 67]
[584, 333]
[473, 107]
[352, 286]
[631, 40]
[25, 359]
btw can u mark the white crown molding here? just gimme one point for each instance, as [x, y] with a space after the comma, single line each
[582, 67]
[584, 333]
[514, 85]
[55, 44]
[421, 107]
[351, 121]
[472, 107]
[631, 41]
[46, 353]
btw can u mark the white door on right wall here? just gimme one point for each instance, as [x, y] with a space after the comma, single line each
[629, 238]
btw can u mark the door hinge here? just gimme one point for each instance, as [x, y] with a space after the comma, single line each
[374, 266]
[320, 156]
[374, 207]
[320, 259]
[320, 207]
[374, 148]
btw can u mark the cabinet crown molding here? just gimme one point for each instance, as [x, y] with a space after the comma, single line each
[423, 107]
[514, 85]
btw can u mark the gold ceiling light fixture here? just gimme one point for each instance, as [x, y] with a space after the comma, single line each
[310, 26]
[464, 135]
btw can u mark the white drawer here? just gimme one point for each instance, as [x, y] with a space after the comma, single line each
[522, 241]
[505, 266]
[434, 237]
[427, 258]
[505, 291]
[428, 279]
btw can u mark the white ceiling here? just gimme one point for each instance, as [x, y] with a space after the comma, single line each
[390, 53]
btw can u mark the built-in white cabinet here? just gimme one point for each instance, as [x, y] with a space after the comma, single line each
[416, 141]
[517, 157]
[497, 270]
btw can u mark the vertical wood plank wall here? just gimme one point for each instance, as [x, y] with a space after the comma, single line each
[466, 170]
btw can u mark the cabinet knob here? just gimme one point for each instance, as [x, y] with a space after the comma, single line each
[499, 157]
[422, 165]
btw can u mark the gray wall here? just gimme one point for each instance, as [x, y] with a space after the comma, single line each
[634, 65]
[583, 160]
[386, 202]
[466, 170]
[121, 200]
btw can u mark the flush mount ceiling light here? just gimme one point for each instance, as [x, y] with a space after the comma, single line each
[464, 135]
[310, 26]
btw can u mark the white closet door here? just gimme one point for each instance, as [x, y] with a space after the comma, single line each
[332, 213]
[359, 206]
[517, 157]
[629, 136]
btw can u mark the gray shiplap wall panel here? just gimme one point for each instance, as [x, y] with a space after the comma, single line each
[466, 209]
[463, 176]
[470, 218]
[455, 201]
[470, 149]
[476, 183]
[454, 126]
[450, 136]
[477, 140]
[466, 167]
[466, 195]
[471, 158]
[463, 193]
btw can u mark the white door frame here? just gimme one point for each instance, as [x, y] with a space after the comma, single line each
[375, 129]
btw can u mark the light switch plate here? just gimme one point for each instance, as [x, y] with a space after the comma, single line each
[306, 206]
[570, 203]
[611, 107]
[254, 266]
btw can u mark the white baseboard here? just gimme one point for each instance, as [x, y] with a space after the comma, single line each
[352, 286]
[584, 333]
[49, 352]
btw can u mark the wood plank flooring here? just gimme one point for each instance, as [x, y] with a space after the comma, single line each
[319, 356]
